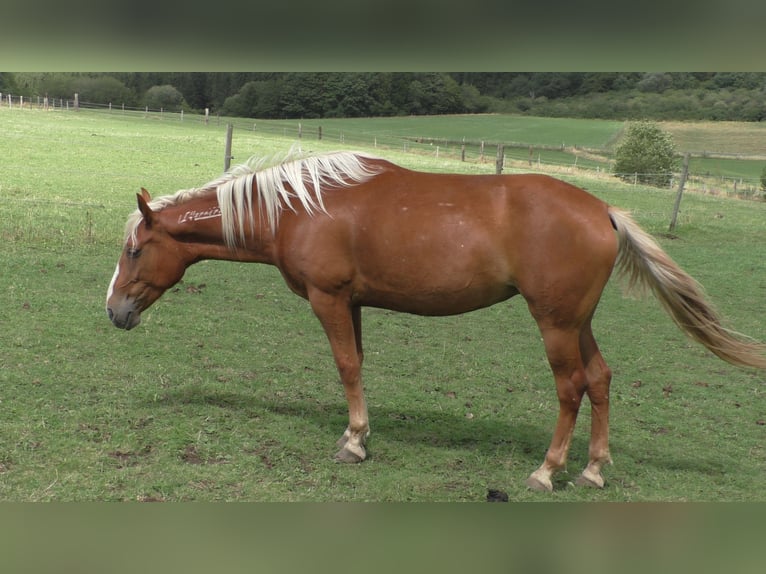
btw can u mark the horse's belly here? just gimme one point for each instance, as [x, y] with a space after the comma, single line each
[443, 294]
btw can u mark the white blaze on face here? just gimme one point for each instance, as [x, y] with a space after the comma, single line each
[111, 284]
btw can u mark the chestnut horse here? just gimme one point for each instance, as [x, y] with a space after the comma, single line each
[348, 230]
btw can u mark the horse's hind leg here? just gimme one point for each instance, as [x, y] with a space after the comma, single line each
[563, 349]
[599, 378]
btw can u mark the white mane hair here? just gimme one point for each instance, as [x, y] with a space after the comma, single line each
[276, 183]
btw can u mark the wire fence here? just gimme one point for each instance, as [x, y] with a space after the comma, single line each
[515, 155]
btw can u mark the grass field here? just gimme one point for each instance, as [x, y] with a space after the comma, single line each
[726, 137]
[562, 142]
[721, 137]
[488, 127]
[228, 390]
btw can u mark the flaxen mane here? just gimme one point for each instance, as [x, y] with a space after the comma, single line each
[269, 187]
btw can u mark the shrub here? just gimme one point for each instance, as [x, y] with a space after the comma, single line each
[647, 153]
[163, 97]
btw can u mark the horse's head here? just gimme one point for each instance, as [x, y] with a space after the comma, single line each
[152, 261]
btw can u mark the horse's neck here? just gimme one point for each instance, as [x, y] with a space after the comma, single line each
[197, 224]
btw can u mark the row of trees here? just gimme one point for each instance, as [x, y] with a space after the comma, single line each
[616, 95]
[264, 95]
[353, 95]
[558, 85]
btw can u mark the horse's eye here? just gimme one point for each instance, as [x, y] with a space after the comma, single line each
[133, 252]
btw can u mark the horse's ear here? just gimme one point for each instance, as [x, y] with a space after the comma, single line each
[143, 206]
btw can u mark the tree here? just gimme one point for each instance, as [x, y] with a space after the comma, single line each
[655, 82]
[353, 95]
[647, 153]
[164, 97]
[256, 99]
[433, 93]
[100, 90]
[7, 82]
[193, 88]
[304, 95]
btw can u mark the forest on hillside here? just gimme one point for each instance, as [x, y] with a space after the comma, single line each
[735, 96]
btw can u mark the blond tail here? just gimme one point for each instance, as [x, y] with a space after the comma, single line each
[644, 263]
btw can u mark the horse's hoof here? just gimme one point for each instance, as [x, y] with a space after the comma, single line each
[590, 480]
[341, 442]
[539, 483]
[347, 456]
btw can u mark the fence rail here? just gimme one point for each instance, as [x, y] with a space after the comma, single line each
[518, 155]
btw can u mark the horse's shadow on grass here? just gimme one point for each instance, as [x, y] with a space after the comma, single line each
[417, 425]
[523, 440]
[414, 427]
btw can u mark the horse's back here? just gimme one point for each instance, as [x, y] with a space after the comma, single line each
[515, 220]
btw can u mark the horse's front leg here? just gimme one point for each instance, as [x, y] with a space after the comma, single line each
[342, 324]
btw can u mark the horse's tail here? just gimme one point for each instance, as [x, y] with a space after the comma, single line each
[644, 263]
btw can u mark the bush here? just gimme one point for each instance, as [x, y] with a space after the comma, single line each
[164, 97]
[647, 153]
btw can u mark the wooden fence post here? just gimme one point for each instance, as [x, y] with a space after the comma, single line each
[77, 102]
[319, 133]
[681, 184]
[500, 159]
[227, 152]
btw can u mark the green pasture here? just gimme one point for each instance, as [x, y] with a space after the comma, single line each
[227, 391]
[728, 168]
[564, 142]
[484, 127]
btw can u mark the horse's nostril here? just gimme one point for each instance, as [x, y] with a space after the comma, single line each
[110, 313]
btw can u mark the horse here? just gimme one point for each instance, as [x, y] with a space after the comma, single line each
[348, 230]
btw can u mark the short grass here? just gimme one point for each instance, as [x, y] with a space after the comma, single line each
[228, 390]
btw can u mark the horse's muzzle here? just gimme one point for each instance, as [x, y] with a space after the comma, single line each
[124, 316]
